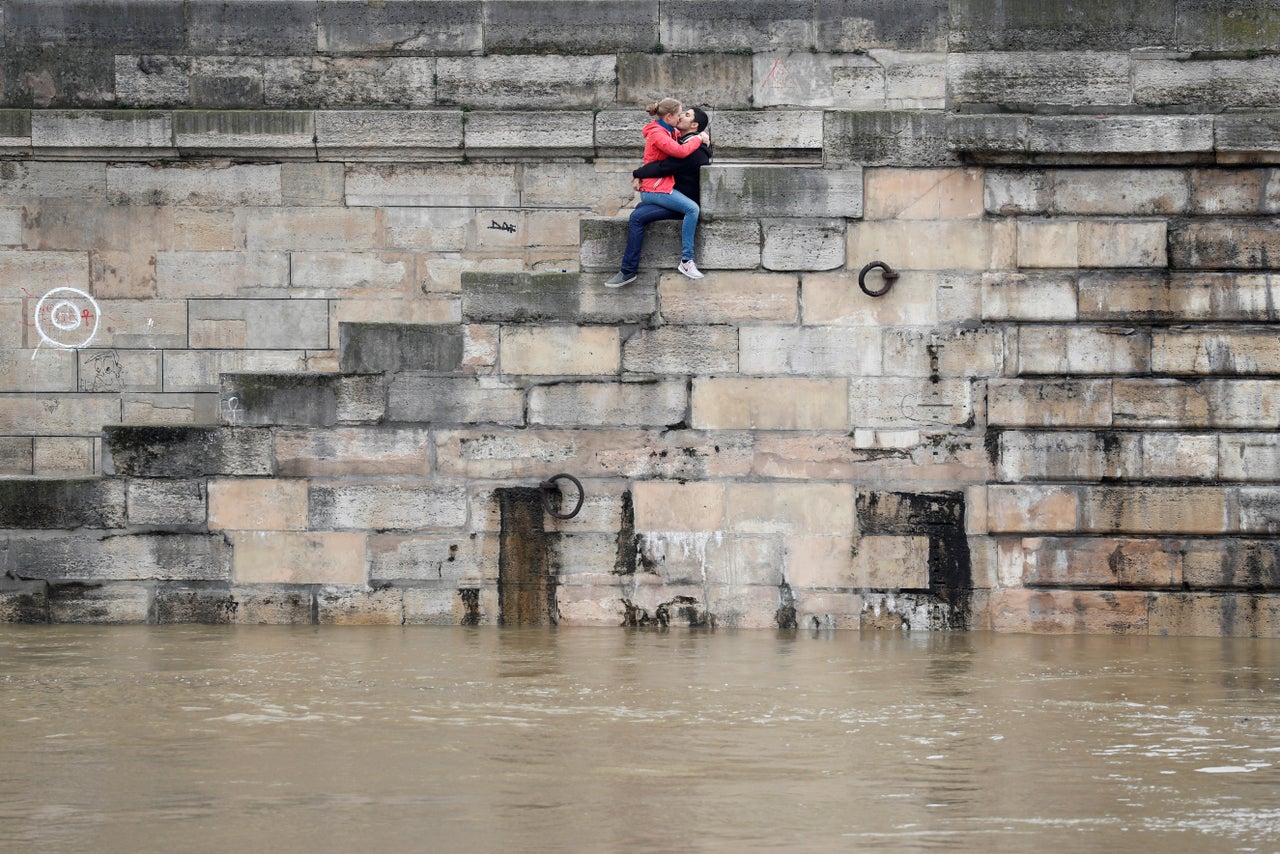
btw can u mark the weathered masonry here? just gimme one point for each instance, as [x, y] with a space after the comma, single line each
[299, 309]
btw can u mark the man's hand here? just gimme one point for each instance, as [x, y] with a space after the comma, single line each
[705, 137]
[635, 184]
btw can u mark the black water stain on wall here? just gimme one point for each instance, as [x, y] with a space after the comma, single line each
[526, 580]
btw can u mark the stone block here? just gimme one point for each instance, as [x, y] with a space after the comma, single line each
[49, 371]
[351, 274]
[887, 138]
[304, 82]
[1068, 456]
[978, 352]
[1014, 192]
[446, 559]
[1049, 403]
[1231, 192]
[750, 191]
[359, 606]
[993, 137]
[726, 27]
[200, 370]
[715, 80]
[670, 507]
[1211, 85]
[386, 506]
[227, 82]
[153, 451]
[1118, 612]
[312, 184]
[1127, 192]
[121, 25]
[794, 509]
[288, 324]
[933, 245]
[1229, 404]
[305, 400]
[1178, 296]
[346, 451]
[321, 229]
[41, 272]
[1091, 243]
[1250, 136]
[563, 297]
[1259, 509]
[45, 76]
[1035, 296]
[898, 455]
[787, 134]
[444, 185]
[1253, 615]
[840, 81]
[100, 604]
[28, 414]
[159, 556]
[794, 244]
[770, 404]
[152, 80]
[1230, 563]
[119, 370]
[458, 400]
[1244, 456]
[1101, 562]
[17, 456]
[1224, 244]
[685, 350]
[910, 403]
[286, 557]
[559, 350]
[42, 504]
[834, 299]
[427, 228]
[273, 605]
[529, 135]
[811, 350]
[1082, 350]
[120, 134]
[1084, 137]
[11, 227]
[23, 601]
[443, 606]
[238, 28]
[1039, 509]
[889, 563]
[184, 275]
[185, 602]
[395, 347]
[258, 504]
[170, 505]
[15, 133]
[1202, 353]
[1185, 510]
[527, 82]
[244, 184]
[170, 409]
[1093, 25]
[649, 403]
[927, 194]
[730, 298]
[389, 135]
[412, 27]
[1023, 79]
[1202, 25]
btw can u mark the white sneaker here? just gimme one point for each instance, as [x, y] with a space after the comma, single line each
[690, 269]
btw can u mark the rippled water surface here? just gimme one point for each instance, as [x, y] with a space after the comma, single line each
[290, 739]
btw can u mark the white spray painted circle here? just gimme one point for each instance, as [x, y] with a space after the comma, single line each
[74, 317]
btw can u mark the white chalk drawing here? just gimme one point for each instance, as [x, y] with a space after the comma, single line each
[66, 318]
[231, 410]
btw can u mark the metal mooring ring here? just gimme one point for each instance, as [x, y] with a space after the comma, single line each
[549, 486]
[889, 277]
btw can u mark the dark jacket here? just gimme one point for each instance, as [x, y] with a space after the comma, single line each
[685, 169]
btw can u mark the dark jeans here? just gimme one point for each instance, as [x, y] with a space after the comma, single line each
[640, 217]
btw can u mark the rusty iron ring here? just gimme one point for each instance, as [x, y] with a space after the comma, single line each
[549, 486]
[889, 277]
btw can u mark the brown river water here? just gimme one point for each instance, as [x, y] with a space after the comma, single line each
[197, 738]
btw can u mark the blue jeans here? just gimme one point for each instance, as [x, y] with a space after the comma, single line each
[682, 204]
[640, 217]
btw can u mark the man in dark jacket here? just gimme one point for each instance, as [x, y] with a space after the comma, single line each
[686, 172]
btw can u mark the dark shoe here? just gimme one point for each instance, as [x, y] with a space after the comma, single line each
[619, 279]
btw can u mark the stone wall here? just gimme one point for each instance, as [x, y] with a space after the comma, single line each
[304, 300]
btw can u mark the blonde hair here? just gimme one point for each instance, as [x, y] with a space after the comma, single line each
[665, 107]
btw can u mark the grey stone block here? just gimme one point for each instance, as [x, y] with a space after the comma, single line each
[453, 400]
[263, 133]
[783, 134]
[649, 403]
[1120, 137]
[851, 25]
[1228, 244]
[536, 135]
[117, 25]
[289, 324]
[1249, 137]
[428, 27]
[449, 185]
[44, 504]
[68, 557]
[351, 81]
[803, 244]
[988, 136]
[16, 455]
[302, 400]
[393, 347]
[389, 134]
[226, 26]
[23, 601]
[386, 506]
[1212, 85]
[97, 603]
[314, 184]
[59, 77]
[708, 80]
[1212, 25]
[689, 350]
[227, 82]
[173, 505]
[729, 25]
[1081, 25]
[119, 133]
[568, 297]
[1068, 78]
[15, 129]
[889, 138]
[153, 81]
[527, 82]
[274, 604]
[184, 603]
[155, 451]
[570, 26]
[781, 191]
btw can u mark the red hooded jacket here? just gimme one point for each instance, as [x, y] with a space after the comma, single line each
[659, 143]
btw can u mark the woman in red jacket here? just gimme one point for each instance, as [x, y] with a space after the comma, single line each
[660, 141]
